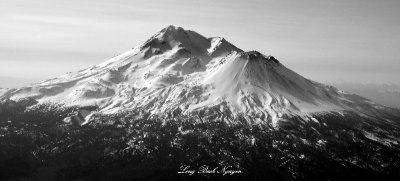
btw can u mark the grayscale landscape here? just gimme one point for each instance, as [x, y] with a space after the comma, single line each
[183, 104]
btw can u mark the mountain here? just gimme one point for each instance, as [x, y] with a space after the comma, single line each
[179, 69]
[183, 101]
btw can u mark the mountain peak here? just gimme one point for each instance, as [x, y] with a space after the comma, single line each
[173, 32]
[256, 55]
[171, 29]
[174, 38]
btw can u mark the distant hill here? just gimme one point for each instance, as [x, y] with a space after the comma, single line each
[386, 94]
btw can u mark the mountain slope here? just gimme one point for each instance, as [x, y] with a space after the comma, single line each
[181, 69]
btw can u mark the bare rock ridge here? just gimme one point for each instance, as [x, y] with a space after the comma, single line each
[181, 69]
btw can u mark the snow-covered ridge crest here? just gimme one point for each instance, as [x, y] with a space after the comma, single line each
[181, 69]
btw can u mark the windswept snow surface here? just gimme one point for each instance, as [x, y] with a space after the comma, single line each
[179, 68]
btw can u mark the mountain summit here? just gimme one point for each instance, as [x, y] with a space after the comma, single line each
[178, 69]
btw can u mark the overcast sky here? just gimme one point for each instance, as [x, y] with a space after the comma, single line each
[341, 40]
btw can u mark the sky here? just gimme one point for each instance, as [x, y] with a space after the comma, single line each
[323, 40]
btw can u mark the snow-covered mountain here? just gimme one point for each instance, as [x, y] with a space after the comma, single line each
[180, 98]
[179, 69]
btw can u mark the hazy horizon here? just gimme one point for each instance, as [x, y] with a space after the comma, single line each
[352, 41]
